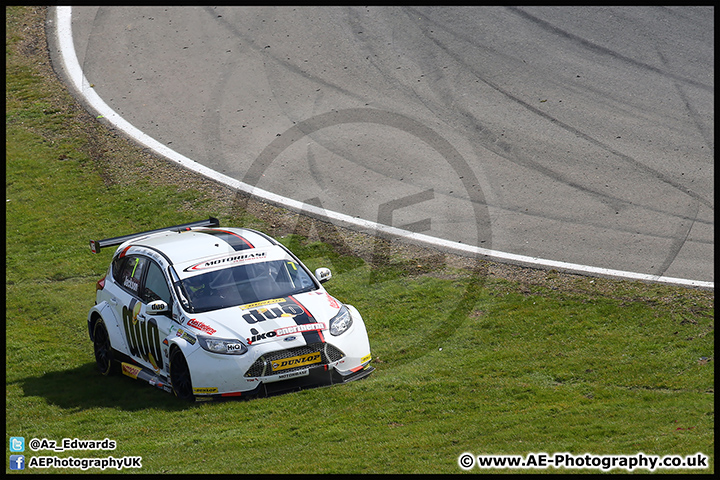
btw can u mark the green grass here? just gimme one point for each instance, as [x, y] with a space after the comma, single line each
[553, 363]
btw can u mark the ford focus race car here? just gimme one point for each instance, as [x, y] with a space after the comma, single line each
[209, 312]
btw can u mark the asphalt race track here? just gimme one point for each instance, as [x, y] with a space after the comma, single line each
[567, 137]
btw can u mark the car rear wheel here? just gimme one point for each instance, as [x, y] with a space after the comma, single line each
[180, 376]
[102, 348]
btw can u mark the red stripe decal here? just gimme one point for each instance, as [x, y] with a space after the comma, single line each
[122, 254]
[220, 233]
[232, 394]
[308, 336]
[301, 306]
[238, 236]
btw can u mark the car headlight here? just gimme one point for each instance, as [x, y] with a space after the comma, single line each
[340, 322]
[225, 346]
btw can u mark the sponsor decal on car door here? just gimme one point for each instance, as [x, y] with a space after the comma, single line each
[143, 334]
[144, 331]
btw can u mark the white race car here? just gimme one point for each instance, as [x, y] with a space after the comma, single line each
[208, 312]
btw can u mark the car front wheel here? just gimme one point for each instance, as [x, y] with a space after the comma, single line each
[180, 376]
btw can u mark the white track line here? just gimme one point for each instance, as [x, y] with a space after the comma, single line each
[80, 83]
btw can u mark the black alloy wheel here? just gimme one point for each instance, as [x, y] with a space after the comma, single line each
[102, 348]
[180, 376]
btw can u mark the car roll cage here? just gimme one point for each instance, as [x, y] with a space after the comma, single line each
[96, 245]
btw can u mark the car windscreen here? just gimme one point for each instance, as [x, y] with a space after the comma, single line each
[243, 284]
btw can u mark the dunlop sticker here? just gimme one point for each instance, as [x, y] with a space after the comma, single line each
[299, 361]
[205, 390]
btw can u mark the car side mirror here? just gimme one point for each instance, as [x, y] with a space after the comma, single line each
[323, 274]
[158, 307]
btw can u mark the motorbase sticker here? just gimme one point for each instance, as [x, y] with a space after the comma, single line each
[286, 376]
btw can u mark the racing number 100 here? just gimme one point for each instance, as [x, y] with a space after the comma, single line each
[143, 336]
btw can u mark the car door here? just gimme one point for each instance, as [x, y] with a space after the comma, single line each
[157, 325]
[127, 276]
[143, 330]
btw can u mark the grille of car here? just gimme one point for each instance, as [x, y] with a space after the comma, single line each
[262, 367]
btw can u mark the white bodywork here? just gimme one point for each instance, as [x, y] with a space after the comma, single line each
[273, 339]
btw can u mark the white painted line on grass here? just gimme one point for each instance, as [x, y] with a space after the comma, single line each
[80, 83]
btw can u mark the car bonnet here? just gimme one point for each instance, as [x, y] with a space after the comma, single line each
[277, 319]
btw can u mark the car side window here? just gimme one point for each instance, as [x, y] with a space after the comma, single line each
[156, 287]
[117, 264]
[130, 273]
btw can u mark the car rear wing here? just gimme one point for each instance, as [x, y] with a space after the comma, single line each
[96, 245]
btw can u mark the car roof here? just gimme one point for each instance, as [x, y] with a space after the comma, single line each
[198, 243]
